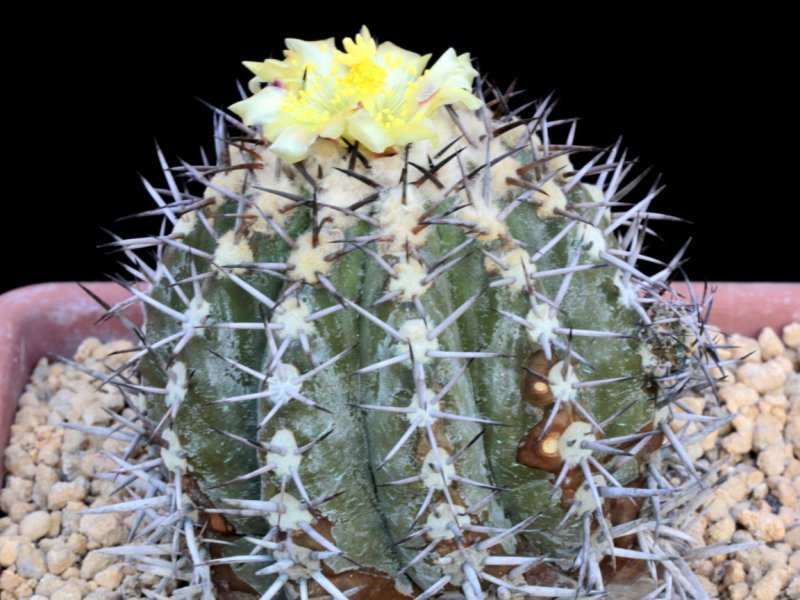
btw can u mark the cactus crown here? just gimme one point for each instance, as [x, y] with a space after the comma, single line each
[400, 347]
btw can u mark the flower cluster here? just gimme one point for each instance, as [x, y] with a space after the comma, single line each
[380, 96]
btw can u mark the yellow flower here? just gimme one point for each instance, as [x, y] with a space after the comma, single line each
[380, 96]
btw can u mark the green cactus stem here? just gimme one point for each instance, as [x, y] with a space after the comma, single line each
[399, 346]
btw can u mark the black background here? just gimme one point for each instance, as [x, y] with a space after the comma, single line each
[704, 99]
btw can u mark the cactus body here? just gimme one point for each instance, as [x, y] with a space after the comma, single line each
[433, 370]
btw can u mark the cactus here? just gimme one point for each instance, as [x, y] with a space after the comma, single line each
[397, 346]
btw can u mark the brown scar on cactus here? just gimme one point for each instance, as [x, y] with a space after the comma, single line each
[401, 347]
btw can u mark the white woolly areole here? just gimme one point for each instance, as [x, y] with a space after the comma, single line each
[592, 240]
[416, 333]
[562, 385]
[473, 155]
[161, 272]
[544, 322]
[269, 205]
[270, 177]
[442, 518]
[290, 513]
[453, 564]
[650, 361]
[303, 563]
[339, 190]
[551, 197]
[432, 477]
[172, 456]
[422, 416]
[584, 499]
[185, 224]
[292, 315]
[628, 294]
[563, 165]
[229, 251]
[398, 221]
[522, 135]
[488, 226]
[514, 259]
[662, 414]
[307, 260]
[196, 313]
[595, 193]
[231, 180]
[284, 463]
[177, 384]
[499, 173]
[385, 170]
[324, 154]
[569, 444]
[409, 280]
[282, 383]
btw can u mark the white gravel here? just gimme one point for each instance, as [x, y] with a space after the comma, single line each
[47, 549]
[758, 499]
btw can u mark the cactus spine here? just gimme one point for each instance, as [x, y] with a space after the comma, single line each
[404, 355]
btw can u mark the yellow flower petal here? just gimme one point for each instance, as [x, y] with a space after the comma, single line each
[361, 50]
[293, 142]
[361, 126]
[300, 58]
[414, 132]
[271, 71]
[261, 108]
[378, 96]
[448, 80]
[402, 66]
[334, 128]
[312, 56]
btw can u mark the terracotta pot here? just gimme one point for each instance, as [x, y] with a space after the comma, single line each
[53, 318]
[43, 319]
[747, 308]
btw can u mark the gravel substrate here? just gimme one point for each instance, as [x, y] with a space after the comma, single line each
[758, 499]
[48, 550]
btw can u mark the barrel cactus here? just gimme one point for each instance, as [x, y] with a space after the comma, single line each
[398, 346]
